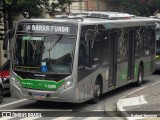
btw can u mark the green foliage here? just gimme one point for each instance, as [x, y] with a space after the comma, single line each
[32, 8]
[141, 7]
[59, 6]
[35, 7]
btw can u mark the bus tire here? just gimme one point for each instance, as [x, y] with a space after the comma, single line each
[1, 94]
[140, 76]
[97, 91]
[40, 101]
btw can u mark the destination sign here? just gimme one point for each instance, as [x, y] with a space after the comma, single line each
[58, 29]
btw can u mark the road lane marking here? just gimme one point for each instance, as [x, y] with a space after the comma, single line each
[98, 110]
[62, 118]
[156, 83]
[136, 90]
[6, 118]
[29, 118]
[39, 110]
[93, 118]
[13, 103]
[135, 118]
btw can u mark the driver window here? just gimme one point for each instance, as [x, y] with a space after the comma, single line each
[87, 34]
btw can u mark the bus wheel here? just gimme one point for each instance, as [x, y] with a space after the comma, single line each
[140, 76]
[97, 91]
[1, 94]
[40, 101]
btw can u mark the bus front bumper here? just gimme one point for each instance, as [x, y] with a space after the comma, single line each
[66, 95]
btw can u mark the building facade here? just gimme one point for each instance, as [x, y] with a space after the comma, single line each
[99, 5]
[95, 5]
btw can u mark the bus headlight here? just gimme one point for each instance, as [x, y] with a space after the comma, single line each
[15, 81]
[68, 83]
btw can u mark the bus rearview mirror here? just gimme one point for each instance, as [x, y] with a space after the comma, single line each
[9, 34]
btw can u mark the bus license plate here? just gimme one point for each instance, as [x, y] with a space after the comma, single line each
[39, 96]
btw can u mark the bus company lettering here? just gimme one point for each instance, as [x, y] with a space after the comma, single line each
[47, 28]
[50, 86]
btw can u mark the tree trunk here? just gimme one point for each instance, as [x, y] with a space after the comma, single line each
[4, 16]
[10, 17]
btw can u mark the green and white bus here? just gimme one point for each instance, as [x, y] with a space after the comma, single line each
[78, 57]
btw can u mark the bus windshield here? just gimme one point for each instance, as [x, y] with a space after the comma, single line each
[47, 54]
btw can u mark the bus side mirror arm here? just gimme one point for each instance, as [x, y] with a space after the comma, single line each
[9, 34]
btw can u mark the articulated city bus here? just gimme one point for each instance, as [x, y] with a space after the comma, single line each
[77, 58]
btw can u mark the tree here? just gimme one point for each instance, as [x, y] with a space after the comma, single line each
[2, 21]
[24, 7]
[154, 7]
[141, 7]
[31, 8]
[59, 6]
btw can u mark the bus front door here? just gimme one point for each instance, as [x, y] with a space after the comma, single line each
[112, 60]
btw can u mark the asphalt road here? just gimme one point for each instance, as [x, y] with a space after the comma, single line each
[104, 109]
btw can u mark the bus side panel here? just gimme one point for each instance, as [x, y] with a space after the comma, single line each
[85, 88]
[122, 70]
[145, 50]
[105, 76]
[146, 64]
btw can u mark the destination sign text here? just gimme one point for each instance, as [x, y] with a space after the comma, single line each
[55, 29]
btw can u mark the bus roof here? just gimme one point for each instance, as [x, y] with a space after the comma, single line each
[95, 17]
[104, 15]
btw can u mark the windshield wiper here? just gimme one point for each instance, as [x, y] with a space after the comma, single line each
[56, 41]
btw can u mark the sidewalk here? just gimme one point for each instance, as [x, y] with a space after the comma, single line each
[143, 103]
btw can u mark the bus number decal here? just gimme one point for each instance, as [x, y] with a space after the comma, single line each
[50, 86]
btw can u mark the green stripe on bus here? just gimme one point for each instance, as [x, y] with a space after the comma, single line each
[136, 67]
[123, 74]
[40, 84]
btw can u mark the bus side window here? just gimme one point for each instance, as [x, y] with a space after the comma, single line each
[81, 54]
[84, 53]
[86, 41]
[97, 49]
[105, 45]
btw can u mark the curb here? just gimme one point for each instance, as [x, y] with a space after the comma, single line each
[122, 102]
